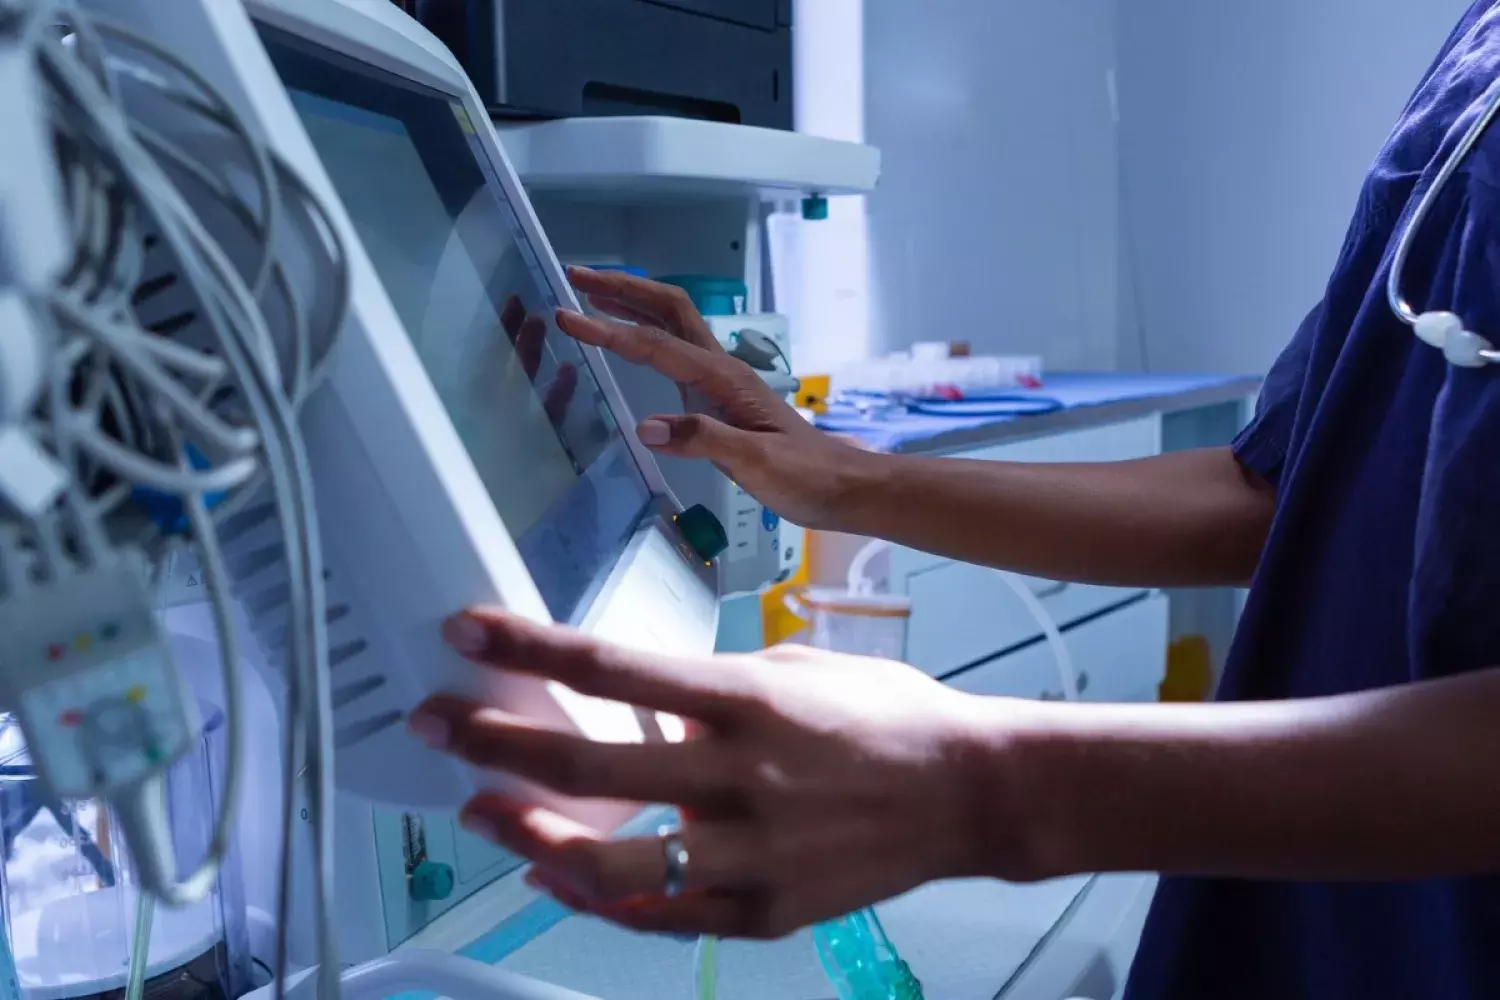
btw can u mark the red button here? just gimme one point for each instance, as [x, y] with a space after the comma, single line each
[56, 651]
[71, 719]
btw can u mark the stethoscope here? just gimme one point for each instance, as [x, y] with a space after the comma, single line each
[1462, 347]
[880, 405]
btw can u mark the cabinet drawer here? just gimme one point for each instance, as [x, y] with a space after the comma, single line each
[1121, 657]
[962, 614]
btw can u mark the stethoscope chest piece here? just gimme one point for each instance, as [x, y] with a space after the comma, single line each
[1445, 331]
[1462, 347]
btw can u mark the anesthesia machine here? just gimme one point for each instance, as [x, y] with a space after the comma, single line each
[276, 308]
[280, 390]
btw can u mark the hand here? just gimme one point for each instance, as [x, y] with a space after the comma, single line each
[751, 434]
[815, 783]
[528, 335]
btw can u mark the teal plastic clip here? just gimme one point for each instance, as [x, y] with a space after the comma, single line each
[861, 962]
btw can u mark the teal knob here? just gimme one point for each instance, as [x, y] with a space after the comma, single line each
[431, 882]
[815, 209]
[703, 532]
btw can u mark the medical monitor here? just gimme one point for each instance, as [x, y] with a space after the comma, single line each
[470, 287]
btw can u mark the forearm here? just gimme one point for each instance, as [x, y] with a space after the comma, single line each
[1378, 786]
[1187, 519]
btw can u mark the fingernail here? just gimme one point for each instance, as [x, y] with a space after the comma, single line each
[465, 635]
[479, 827]
[654, 433]
[579, 269]
[430, 730]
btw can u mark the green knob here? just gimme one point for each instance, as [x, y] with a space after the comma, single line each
[815, 208]
[431, 882]
[703, 532]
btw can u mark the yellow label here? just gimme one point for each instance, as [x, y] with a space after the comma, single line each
[813, 394]
[777, 621]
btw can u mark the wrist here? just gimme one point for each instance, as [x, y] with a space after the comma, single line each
[1018, 763]
[856, 482]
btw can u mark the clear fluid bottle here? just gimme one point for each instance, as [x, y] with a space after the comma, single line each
[71, 901]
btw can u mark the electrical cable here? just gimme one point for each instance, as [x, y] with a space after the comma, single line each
[302, 588]
[232, 310]
[122, 345]
[216, 578]
[1067, 673]
[320, 741]
[140, 946]
[706, 968]
[858, 582]
[300, 347]
[224, 115]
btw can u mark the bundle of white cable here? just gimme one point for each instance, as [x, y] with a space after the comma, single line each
[126, 408]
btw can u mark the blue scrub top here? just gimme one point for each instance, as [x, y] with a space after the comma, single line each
[1382, 566]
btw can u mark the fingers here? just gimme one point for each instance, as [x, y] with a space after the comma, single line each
[680, 361]
[570, 764]
[622, 310]
[663, 305]
[697, 436]
[595, 870]
[698, 334]
[707, 690]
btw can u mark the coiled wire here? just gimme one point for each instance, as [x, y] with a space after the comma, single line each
[204, 412]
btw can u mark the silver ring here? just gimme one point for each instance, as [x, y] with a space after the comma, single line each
[675, 852]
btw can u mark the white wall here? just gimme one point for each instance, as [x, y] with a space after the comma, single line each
[829, 297]
[1246, 128]
[996, 216]
[1194, 232]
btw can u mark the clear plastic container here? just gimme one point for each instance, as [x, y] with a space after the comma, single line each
[927, 371]
[856, 623]
[70, 896]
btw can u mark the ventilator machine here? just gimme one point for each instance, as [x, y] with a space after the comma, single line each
[280, 390]
[259, 263]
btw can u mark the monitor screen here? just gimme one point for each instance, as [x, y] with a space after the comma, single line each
[470, 289]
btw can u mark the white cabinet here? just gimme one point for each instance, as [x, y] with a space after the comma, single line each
[1120, 657]
[964, 614]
